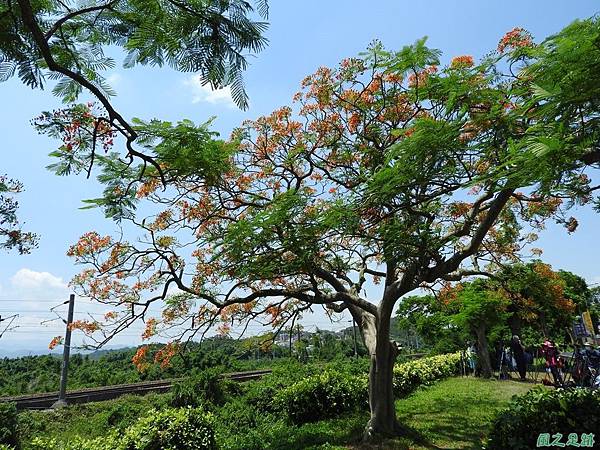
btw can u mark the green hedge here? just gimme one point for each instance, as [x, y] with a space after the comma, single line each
[410, 375]
[8, 425]
[176, 429]
[322, 396]
[173, 429]
[78, 443]
[544, 410]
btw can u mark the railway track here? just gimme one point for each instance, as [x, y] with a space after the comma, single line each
[46, 400]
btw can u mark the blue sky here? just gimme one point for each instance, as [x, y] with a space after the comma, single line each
[303, 36]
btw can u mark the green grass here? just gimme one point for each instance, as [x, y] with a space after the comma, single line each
[454, 413]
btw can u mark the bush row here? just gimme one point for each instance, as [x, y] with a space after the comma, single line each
[543, 410]
[321, 396]
[410, 375]
[174, 429]
[330, 393]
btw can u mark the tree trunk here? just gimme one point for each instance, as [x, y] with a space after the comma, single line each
[482, 352]
[383, 421]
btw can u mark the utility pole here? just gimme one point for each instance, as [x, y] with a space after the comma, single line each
[354, 332]
[62, 396]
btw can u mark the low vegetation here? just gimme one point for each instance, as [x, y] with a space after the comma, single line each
[294, 397]
[546, 411]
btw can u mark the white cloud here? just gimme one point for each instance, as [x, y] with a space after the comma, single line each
[26, 279]
[114, 78]
[205, 94]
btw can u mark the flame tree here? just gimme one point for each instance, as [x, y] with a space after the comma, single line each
[391, 174]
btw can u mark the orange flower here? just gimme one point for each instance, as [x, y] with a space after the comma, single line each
[54, 342]
[515, 38]
[85, 326]
[150, 329]
[462, 62]
[139, 359]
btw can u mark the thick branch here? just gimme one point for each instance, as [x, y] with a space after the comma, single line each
[73, 14]
[42, 44]
[452, 263]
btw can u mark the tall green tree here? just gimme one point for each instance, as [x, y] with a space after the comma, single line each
[431, 320]
[483, 312]
[542, 299]
[561, 80]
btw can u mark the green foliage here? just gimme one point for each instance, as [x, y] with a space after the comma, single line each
[109, 442]
[11, 235]
[89, 420]
[422, 372]
[270, 432]
[545, 411]
[264, 413]
[575, 289]
[177, 429]
[8, 425]
[31, 374]
[543, 299]
[200, 388]
[186, 148]
[323, 395]
[478, 304]
[457, 412]
[560, 87]
[429, 319]
[174, 429]
[329, 393]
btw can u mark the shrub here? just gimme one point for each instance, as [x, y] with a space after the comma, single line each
[410, 375]
[8, 425]
[174, 429]
[205, 386]
[109, 442]
[324, 395]
[260, 394]
[543, 410]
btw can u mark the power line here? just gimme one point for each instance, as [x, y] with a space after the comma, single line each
[28, 300]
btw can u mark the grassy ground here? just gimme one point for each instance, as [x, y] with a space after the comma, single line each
[456, 413]
[452, 414]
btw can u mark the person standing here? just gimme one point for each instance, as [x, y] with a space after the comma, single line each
[518, 352]
[551, 354]
[471, 354]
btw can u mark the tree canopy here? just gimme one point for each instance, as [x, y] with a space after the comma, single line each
[65, 43]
